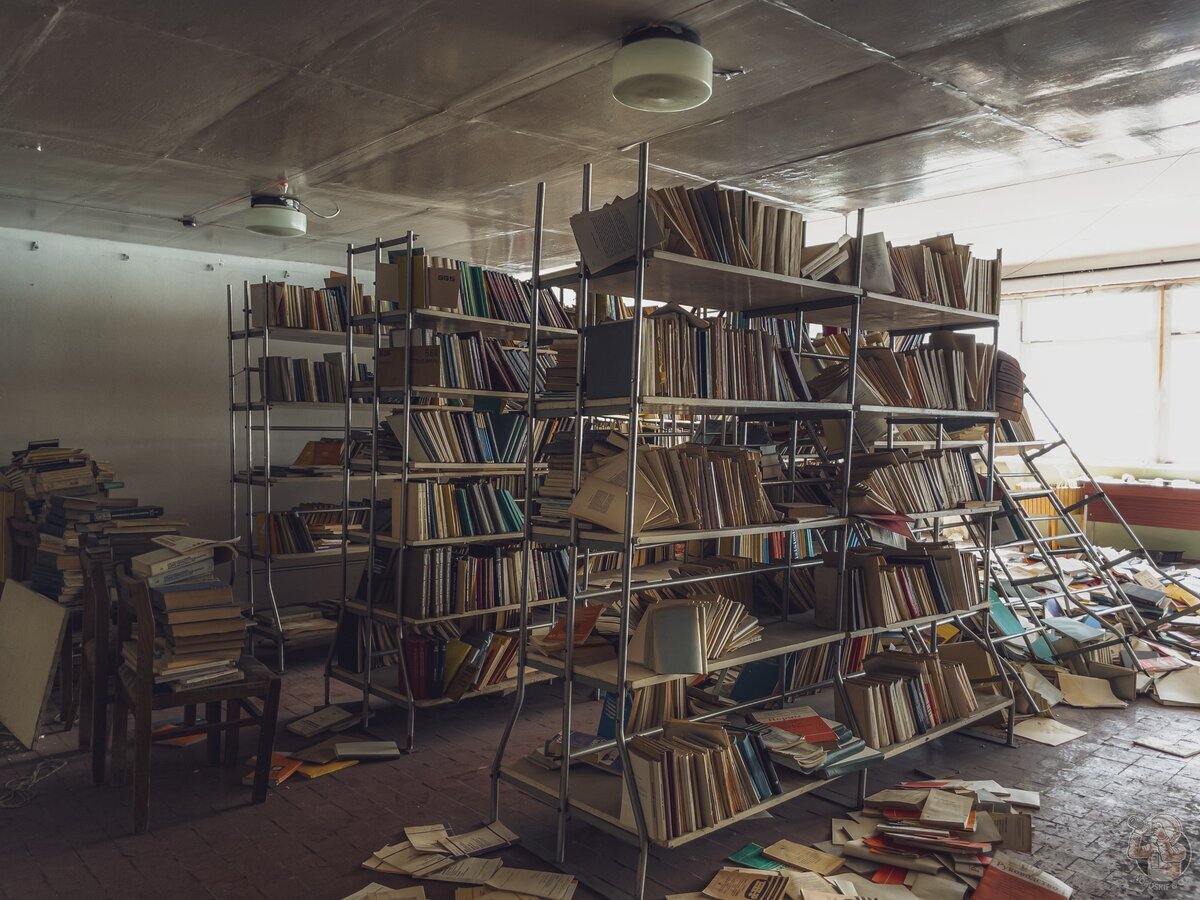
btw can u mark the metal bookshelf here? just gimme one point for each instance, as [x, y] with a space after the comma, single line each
[391, 682]
[654, 275]
[252, 483]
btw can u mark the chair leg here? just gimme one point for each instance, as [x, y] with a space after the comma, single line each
[266, 741]
[85, 704]
[97, 717]
[212, 716]
[233, 712]
[66, 680]
[120, 737]
[141, 767]
[189, 715]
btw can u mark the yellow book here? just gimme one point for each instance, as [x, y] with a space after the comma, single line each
[312, 770]
[456, 652]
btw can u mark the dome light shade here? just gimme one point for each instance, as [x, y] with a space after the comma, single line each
[276, 216]
[662, 68]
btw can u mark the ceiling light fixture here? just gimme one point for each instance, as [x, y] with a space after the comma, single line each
[662, 68]
[278, 213]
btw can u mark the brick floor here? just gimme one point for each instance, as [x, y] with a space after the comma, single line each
[309, 839]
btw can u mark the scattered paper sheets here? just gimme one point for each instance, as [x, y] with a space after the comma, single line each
[427, 838]
[1047, 731]
[376, 891]
[533, 883]
[1175, 748]
[1088, 693]
[482, 840]
[1178, 688]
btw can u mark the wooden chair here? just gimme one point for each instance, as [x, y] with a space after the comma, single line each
[135, 691]
[96, 660]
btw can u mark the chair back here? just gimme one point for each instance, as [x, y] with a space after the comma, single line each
[133, 608]
[25, 539]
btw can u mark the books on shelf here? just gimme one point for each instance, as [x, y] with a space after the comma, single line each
[915, 481]
[686, 355]
[940, 271]
[309, 528]
[279, 304]
[457, 286]
[903, 694]
[696, 775]
[681, 636]
[283, 379]
[447, 581]
[458, 435]
[453, 510]
[685, 486]
[797, 738]
[468, 360]
[886, 587]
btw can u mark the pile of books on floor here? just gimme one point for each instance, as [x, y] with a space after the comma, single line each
[444, 581]
[434, 853]
[903, 694]
[934, 839]
[199, 627]
[458, 435]
[685, 355]
[685, 486]
[887, 587]
[283, 379]
[279, 304]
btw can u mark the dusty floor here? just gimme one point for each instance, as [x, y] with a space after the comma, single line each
[308, 840]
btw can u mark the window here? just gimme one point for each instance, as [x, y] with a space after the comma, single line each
[1117, 369]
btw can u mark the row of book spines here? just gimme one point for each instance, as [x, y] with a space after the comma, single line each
[282, 305]
[285, 379]
[447, 511]
[282, 533]
[477, 584]
[489, 294]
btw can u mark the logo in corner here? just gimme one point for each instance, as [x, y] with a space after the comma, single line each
[1158, 846]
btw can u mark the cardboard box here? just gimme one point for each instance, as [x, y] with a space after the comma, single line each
[426, 367]
[433, 287]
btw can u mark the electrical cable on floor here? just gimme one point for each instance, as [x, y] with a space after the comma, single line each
[18, 792]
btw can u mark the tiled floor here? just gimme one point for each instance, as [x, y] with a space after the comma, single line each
[309, 839]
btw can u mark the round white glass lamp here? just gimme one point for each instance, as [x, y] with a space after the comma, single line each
[275, 216]
[662, 68]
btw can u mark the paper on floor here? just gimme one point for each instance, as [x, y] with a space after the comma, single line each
[1175, 748]
[1047, 731]
[1088, 693]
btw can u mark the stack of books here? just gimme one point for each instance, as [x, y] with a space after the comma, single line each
[283, 379]
[902, 695]
[199, 627]
[886, 587]
[696, 775]
[44, 468]
[561, 377]
[799, 739]
[117, 529]
[554, 494]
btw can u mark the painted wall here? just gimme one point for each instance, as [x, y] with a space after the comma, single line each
[120, 349]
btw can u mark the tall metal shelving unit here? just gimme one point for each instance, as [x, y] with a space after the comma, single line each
[251, 460]
[585, 793]
[371, 681]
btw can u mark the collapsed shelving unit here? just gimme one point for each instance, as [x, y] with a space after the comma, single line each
[585, 793]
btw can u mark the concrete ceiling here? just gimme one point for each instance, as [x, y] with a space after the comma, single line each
[118, 117]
